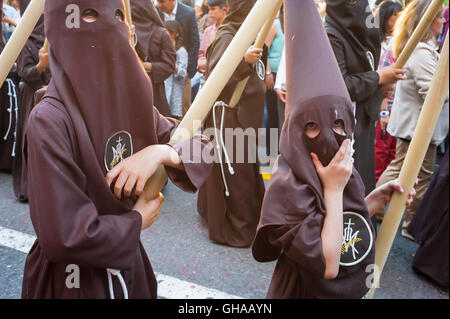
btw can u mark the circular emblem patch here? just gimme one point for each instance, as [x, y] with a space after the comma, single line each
[260, 70]
[118, 147]
[357, 239]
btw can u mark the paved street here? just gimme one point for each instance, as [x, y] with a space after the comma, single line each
[188, 264]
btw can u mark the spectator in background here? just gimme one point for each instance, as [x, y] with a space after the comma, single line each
[217, 11]
[198, 6]
[11, 17]
[175, 82]
[155, 49]
[385, 144]
[275, 43]
[409, 98]
[190, 3]
[172, 10]
[207, 22]
[205, 19]
[280, 88]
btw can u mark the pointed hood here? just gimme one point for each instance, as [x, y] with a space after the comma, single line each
[294, 203]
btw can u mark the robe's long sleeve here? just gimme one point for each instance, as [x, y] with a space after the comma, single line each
[68, 225]
[297, 224]
[26, 67]
[196, 169]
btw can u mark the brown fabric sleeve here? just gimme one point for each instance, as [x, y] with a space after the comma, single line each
[68, 226]
[26, 68]
[292, 223]
[196, 167]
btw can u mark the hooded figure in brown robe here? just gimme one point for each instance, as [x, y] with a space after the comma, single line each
[9, 93]
[154, 46]
[294, 209]
[32, 81]
[97, 111]
[230, 200]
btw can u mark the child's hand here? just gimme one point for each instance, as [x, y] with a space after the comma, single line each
[137, 169]
[149, 210]
[335, 176]
[383, 194]
[253, 55]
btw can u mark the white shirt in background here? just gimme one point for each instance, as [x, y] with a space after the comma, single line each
[173, 15]
[280, 82]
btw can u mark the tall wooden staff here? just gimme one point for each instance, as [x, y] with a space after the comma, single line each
[240, 87]
[19, 37]
[128, 12]
[130, 21]
[426, 125]
[216, 82]
[418, 34]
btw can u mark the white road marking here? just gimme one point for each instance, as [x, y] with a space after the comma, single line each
[168, 287]
[16, 240]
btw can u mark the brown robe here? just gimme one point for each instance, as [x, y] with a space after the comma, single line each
[73, 227]
[7, 117]
[32, 81]
[232, 220]
[294, 209]
[430, 227]
[96, 112]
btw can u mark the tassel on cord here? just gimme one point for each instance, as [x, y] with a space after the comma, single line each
[9, 110]
[13, 107]
[220, 144]
[114, 272]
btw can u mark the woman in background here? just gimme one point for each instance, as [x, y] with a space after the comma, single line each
[385, 143]
[409, 98]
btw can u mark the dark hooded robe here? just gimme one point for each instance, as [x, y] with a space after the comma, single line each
[357, 49]
[32, 81]
[154, 46]
[430, 227]
[9, 93]
[294, 209]
[96, 112]
[231, 203]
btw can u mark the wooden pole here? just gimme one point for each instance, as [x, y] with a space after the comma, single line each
[19, 37]
[420, 142]
[129, 19]
[128, 12]
[240, 87]
[216, 82]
